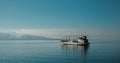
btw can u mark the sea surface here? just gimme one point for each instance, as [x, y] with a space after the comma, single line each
[45, 51]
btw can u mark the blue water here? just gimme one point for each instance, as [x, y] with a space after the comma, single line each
[52, 52]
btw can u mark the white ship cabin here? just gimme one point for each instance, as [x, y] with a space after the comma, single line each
[83, 39]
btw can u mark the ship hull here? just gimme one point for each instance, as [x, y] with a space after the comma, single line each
[74, 43]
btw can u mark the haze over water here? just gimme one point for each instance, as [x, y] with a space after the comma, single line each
[37, 51]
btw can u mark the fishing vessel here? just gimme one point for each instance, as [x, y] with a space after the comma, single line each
[82, 40]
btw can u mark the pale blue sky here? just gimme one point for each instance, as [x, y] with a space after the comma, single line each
[85, 15]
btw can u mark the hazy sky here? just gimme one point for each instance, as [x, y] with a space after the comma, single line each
[96, 18]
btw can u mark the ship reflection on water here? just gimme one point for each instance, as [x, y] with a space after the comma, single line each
[75, 50]
[75, 53]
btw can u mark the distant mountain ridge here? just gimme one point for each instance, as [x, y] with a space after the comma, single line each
[15, 36]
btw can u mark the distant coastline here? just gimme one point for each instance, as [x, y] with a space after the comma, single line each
[15, 36]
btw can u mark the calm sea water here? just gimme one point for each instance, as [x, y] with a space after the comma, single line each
[53, 52]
